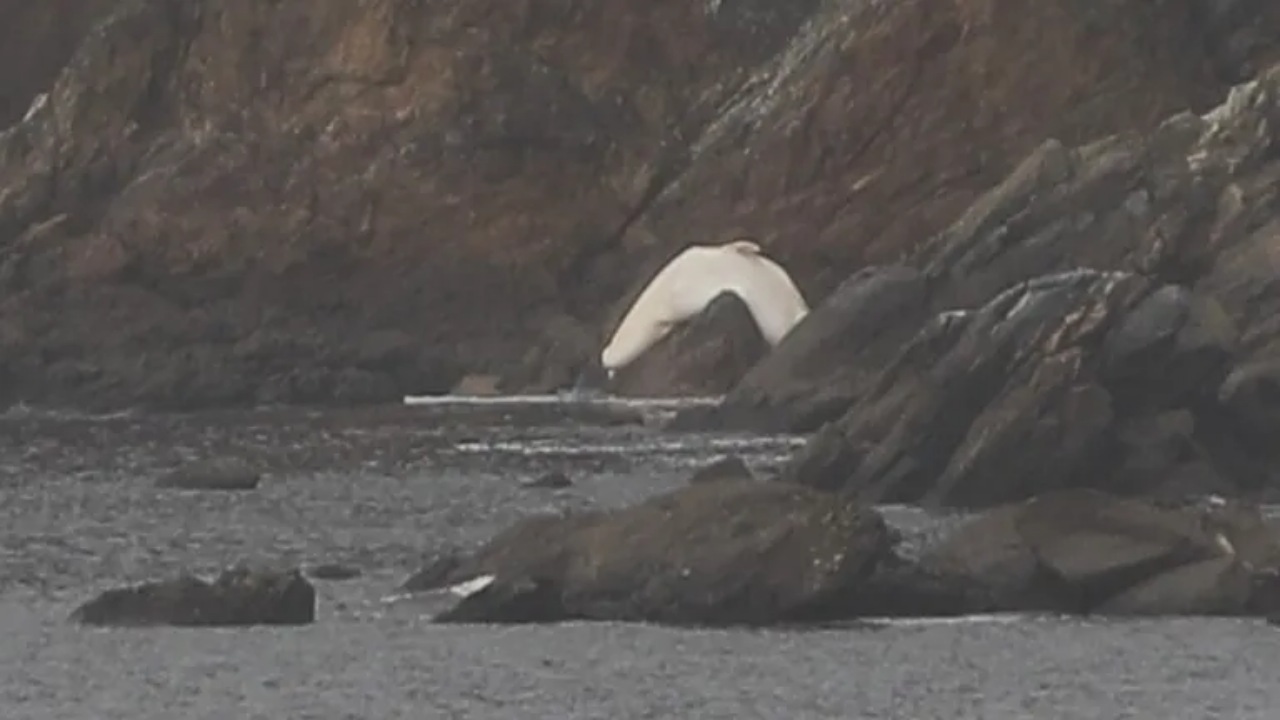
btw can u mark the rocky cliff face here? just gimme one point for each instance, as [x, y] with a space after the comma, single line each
[235, 201]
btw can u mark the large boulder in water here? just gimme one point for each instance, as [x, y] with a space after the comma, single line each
[1084, 551]
[732, 552]
[706, 355]
[239, 596]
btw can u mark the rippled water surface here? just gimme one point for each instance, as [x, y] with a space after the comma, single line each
[380, 488]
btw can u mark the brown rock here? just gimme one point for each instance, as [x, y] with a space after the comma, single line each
[828, 359]
[706, 355]
[717, 553]
[1048, 382]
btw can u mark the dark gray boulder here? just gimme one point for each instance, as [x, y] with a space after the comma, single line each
[712, 553]
[238, 597]
[1088, 552]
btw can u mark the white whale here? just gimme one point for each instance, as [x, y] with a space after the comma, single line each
[687, 284]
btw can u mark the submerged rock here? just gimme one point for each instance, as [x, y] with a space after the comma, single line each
[238, 596]
[211, 475]
[717, 553]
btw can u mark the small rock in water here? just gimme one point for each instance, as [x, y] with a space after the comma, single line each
[334, 571]
[730, 467]
[225, 476]
[238, 597]
[553, 480]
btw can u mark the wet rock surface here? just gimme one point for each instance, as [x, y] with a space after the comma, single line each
[196, 217]
[237, 597]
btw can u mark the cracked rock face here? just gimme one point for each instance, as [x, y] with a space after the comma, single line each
[237, 202]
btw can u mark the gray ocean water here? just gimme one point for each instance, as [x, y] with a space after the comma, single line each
[378, 489]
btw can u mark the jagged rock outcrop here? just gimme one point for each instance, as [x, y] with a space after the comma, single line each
[1039, 389]
[233, 202]
[1104, 318]
[238, 597]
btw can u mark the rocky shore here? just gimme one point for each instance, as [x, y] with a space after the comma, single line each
[1040, 243]
[739, 551]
